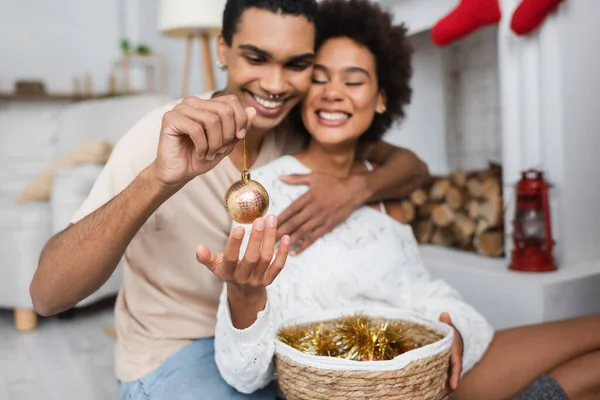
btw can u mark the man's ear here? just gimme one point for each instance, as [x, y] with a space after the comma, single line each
[381, 102]
[222, 50]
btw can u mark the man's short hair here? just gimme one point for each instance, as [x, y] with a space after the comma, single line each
[235, 8]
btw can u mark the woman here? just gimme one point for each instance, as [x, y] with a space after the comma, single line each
[360, 85]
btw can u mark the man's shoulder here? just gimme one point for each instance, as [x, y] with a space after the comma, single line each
[140, 143]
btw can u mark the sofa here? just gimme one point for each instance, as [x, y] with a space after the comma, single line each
[32, 143]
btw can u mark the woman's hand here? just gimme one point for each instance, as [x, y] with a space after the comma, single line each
[257, 269]
[456, 355]
[248, 277]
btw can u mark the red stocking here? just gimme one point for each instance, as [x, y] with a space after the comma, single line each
[530, 14]
[468, 16]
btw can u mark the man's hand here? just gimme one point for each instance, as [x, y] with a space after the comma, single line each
[328, 202]
[257, 269]
[456, 355]
[197, 134]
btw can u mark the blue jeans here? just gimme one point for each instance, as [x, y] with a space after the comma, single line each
[190, 374]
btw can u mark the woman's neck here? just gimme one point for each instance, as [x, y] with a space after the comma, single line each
[335, 160]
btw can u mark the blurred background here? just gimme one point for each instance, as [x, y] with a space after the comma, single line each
[75, 75]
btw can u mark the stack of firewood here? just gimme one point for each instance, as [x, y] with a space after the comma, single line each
[463, 210]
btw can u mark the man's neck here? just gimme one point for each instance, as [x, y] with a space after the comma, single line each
[336, 160]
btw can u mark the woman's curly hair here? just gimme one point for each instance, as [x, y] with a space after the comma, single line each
[366, 23]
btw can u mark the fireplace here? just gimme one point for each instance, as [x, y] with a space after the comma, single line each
[524, 102]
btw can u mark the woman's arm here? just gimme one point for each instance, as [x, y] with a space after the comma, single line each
[432, 298]
[245, 356]
[246, 318]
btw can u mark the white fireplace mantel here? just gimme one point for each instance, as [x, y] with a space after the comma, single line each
[549, 112]
[549, 119]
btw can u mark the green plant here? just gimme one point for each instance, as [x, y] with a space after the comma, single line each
[143, 50]
[125, 45]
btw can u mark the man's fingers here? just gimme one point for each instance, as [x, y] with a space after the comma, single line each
[310, 239]
[305, 229]
[292, 210]
[251, 114]
[296, 179]
[204, 128]
[234, 113]
[230, 112]
[252, 256]
[279, 262]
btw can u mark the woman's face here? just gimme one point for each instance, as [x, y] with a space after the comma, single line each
[344, 95]
[270, 54]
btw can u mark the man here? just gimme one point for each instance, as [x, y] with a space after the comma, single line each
[161, 194]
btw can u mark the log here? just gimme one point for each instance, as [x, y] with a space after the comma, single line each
[474, 187]
[473, 209]
[423, 230]
[409, 211]
[442, 237]
[459, 178]
[439, 188]
[490, 243]
[491, 211]
[491, 188]
[464, 228]
[482, 226]
[426, 210]
[418, 197]
[443, 215]
[456, 197]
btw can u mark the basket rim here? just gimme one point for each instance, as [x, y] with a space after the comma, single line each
[342, 364]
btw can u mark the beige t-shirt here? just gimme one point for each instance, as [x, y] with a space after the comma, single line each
[168, 298]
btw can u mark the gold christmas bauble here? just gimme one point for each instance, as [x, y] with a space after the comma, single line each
[246, 200]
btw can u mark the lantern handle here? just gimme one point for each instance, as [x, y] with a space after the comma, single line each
[537, 174]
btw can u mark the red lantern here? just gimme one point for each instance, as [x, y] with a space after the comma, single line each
[532, 234]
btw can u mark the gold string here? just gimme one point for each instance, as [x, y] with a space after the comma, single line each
[244, 152]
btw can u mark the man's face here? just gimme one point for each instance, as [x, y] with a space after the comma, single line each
[270, 54]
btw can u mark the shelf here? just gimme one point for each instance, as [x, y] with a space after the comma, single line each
[57, 97]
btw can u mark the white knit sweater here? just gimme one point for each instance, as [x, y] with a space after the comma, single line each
[370, 260]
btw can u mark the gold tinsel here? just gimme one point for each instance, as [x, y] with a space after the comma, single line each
[356, 337]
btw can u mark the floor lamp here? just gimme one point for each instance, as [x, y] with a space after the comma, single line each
[196, 20]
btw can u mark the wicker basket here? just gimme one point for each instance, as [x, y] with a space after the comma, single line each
[418, 374]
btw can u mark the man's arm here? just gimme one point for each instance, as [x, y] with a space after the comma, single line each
[400, 173]
[77, 261]
[194, 137]
[330, 200]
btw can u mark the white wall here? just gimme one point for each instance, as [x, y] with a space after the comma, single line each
[580, 84]
[55, 41]
[424, 129]
[474, 120]
[174, 50]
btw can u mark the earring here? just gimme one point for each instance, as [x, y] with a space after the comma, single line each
[221, 66]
